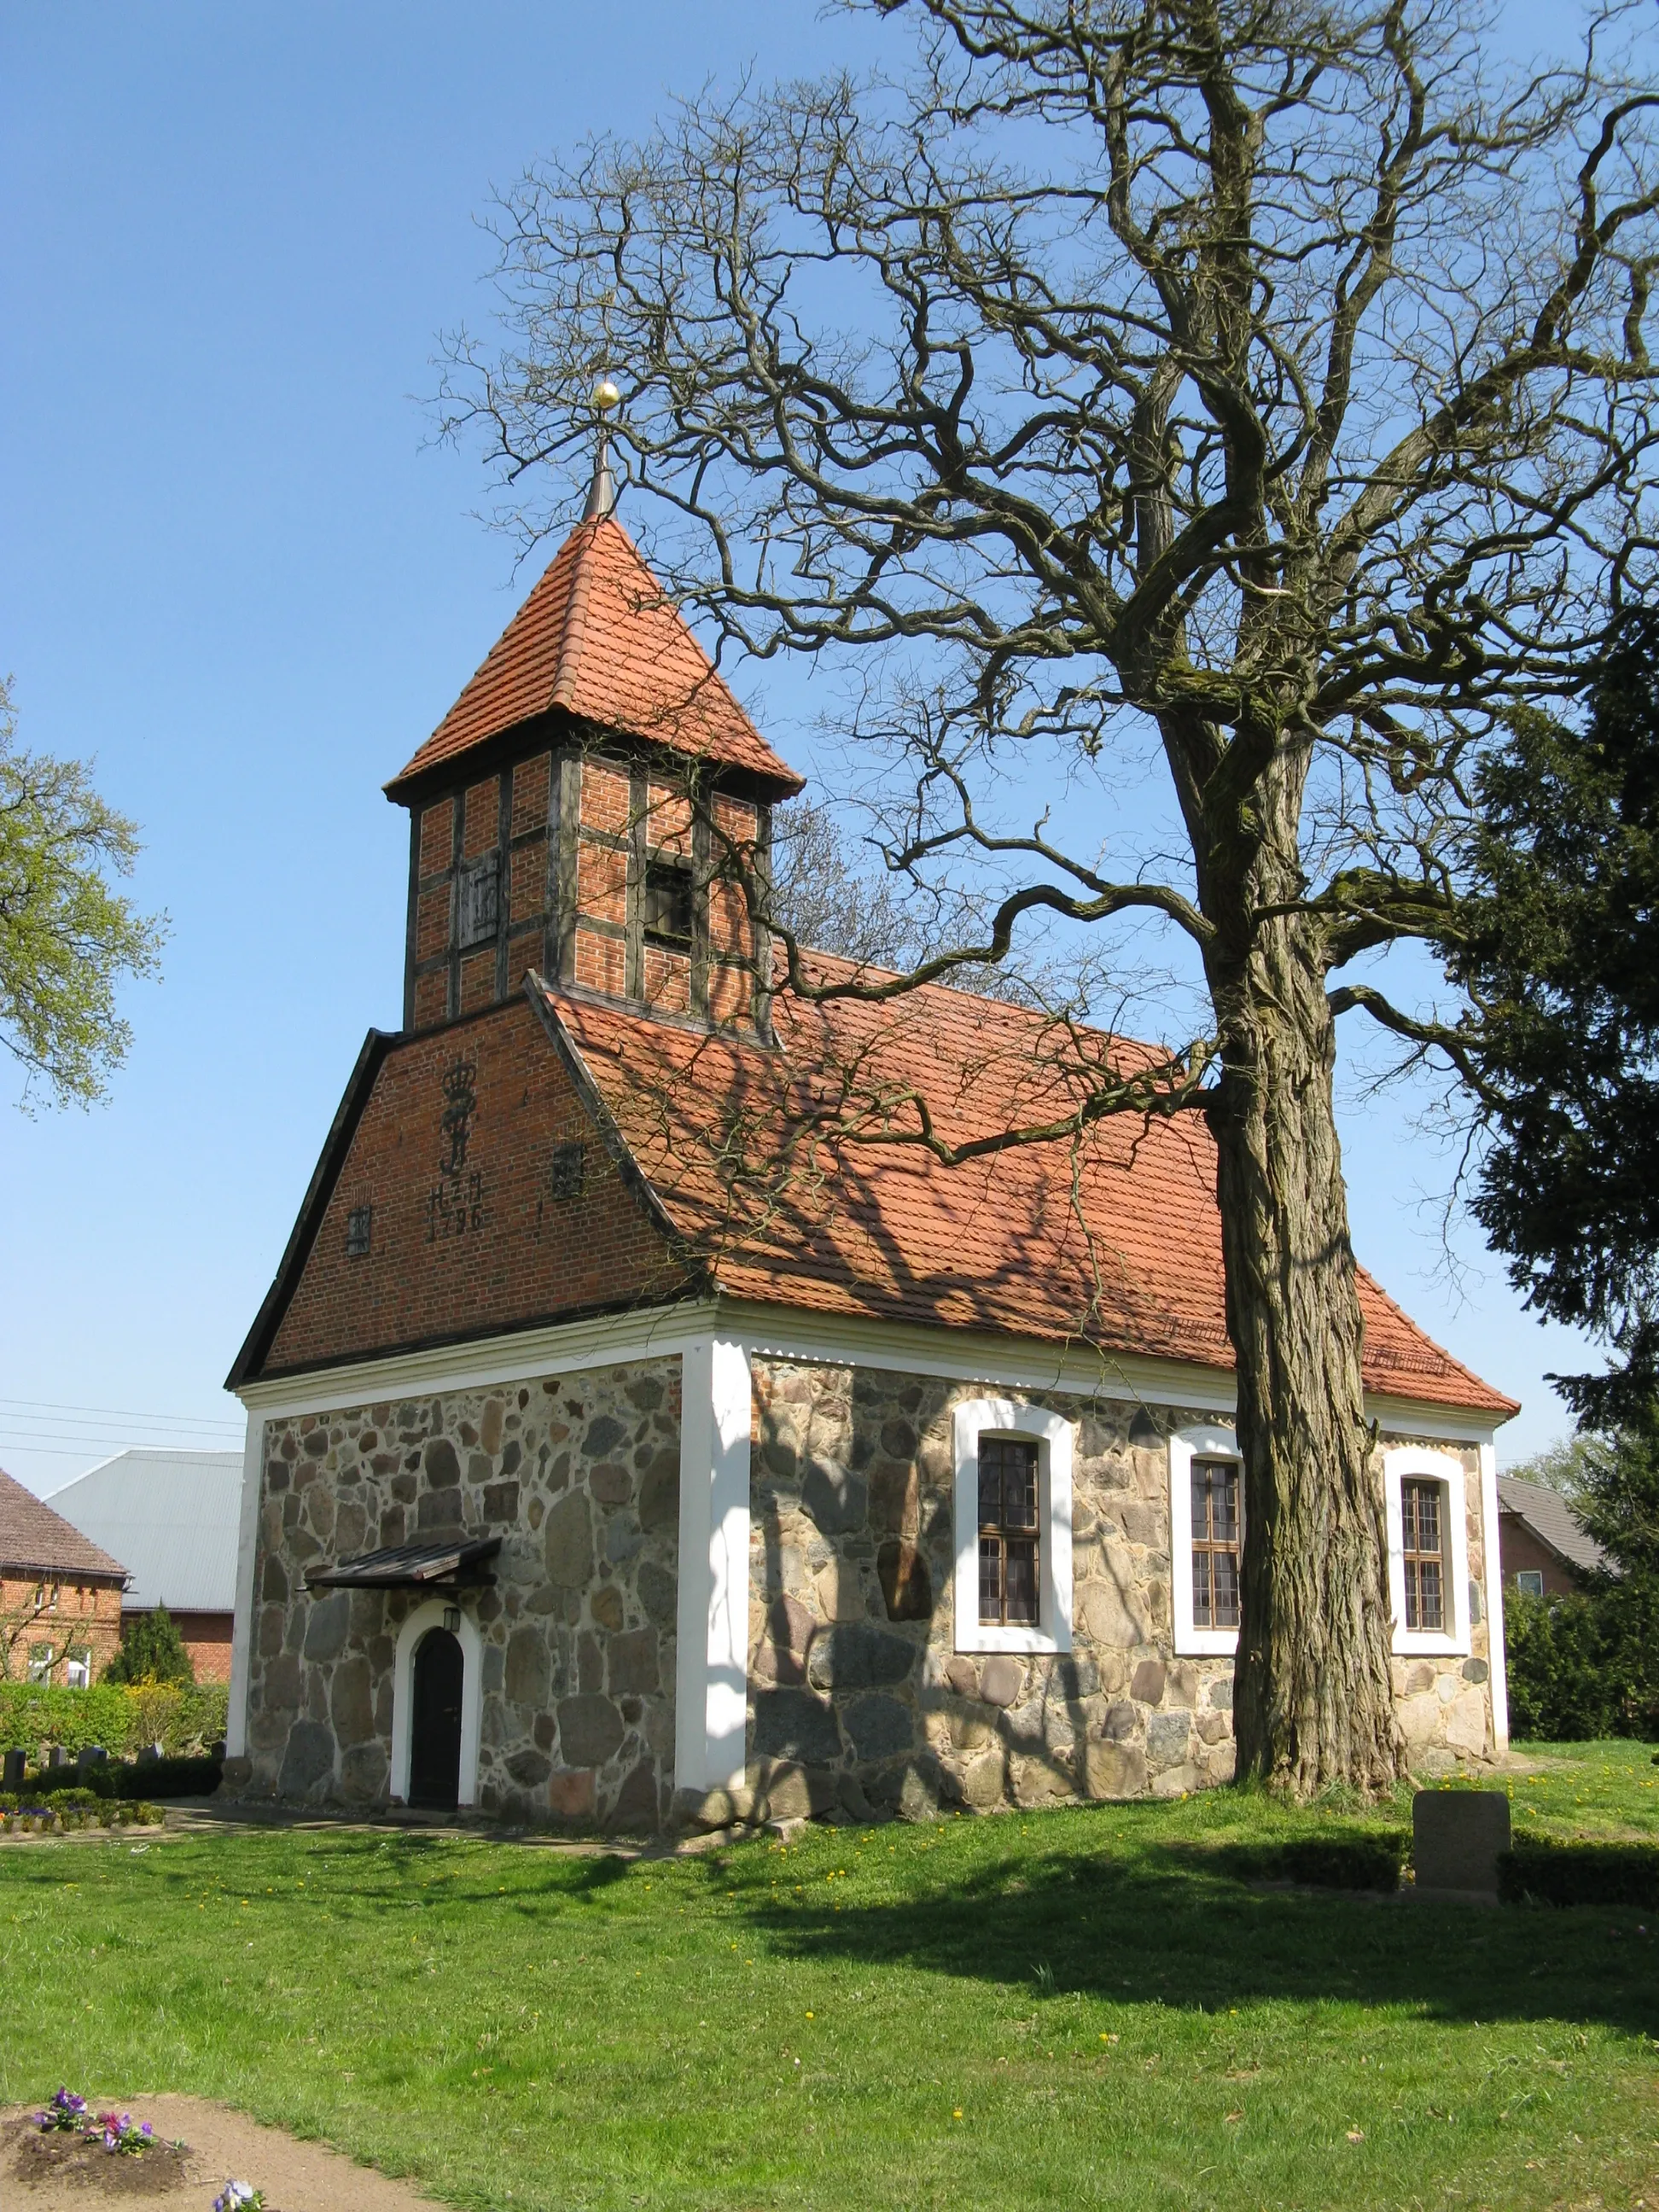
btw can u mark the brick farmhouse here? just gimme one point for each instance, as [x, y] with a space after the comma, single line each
[628, 1442]
[60, 1595]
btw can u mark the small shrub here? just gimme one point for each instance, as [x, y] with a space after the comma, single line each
[1547, 1873]
[151, 1650]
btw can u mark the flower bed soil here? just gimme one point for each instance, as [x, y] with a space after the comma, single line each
[63, 2173]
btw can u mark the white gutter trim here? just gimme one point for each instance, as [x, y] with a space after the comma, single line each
[836, 1339]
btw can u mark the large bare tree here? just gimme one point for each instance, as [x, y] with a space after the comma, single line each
[1264, 378]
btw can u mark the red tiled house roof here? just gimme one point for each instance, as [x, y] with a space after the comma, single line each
[1115, 1241]
[35, 1540]
[598, 638]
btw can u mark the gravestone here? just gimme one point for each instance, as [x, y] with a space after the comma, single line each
[91, 1754]
[15, 1766]
[1456, 1836]
[58, 1756]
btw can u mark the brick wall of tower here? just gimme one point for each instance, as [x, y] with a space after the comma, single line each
[572, 845]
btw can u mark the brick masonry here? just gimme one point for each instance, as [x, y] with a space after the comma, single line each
[579, 1475]
[464, 1232]
[61, 1614]
[854, 1472]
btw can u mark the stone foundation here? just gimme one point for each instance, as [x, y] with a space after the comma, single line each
[579, 1475]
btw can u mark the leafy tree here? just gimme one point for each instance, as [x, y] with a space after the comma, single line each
[66, 938]
[1588, 1664]
[1561, 1466]
[151, 1650]
[1254, 389]
[1617, 1497]
[1556, 941]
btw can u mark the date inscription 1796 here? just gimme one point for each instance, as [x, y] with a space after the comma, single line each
[455, 1204]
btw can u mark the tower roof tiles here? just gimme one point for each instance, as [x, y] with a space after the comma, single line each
[599, 638]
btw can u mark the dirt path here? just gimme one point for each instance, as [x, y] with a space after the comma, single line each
[37, 2174]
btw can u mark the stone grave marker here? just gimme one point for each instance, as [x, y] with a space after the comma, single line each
[1456, 1836]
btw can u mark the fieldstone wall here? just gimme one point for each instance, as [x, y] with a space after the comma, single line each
[858, 1697]
[578, 1475]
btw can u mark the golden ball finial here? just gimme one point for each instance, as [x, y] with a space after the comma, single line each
[606, 395]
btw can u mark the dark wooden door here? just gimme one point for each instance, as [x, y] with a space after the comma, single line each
[434, 1751]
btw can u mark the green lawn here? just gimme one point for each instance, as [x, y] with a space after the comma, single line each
[1067, 2008]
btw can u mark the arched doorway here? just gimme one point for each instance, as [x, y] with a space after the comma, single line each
[435, 1746]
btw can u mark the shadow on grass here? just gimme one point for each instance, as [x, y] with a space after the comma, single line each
[1166, 1924]
[1139, 1917]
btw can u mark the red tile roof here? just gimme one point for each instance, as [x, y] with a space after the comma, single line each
[35, 1540]
[1116, 1242]
[598, 638]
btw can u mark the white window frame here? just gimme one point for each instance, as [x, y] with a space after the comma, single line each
[1052, 1435]
[431, 1615]
[1206, 1440]
[1408, 1463]
[78, 1668]
[1529, 1581]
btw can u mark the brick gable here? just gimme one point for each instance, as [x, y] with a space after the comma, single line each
[450, 1172]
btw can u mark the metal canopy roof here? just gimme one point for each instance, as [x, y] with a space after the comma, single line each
[411, 1567]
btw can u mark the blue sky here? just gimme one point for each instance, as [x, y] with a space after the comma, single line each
[234, 568]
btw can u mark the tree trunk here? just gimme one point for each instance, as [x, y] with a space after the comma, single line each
[1313, 1702]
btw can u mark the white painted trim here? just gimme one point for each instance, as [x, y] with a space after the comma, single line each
[241, 1627]
[431, 1615]
[610, 1341]
[711, 1688]
[1493, 1558]
[1415, 1417]
[1210, 1441]
[1052, 1435]
[1001, 1363]
[1411, 1459]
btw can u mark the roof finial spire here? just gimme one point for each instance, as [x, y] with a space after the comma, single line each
[602, 492]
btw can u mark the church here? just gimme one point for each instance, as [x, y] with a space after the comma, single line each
[632, 1441]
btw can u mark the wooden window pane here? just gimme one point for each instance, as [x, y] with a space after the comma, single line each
[1009, 1570]
[1020, 1579]
[1215, 1543]
[990, 1579]
[1421, 1519]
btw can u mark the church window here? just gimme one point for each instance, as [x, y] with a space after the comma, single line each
[1215, 1543]
[1422, 1553]
[1430, 1599]
[1012, 1533]
[1008, 1535]
[360, 1225]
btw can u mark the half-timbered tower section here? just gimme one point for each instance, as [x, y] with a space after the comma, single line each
[586, 808]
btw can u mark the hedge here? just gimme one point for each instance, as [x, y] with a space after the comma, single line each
[1586, 1666]
[1539, 1872]
[156, 1777]
[183, 1718]
[1366, 1860]
[39, 1811]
